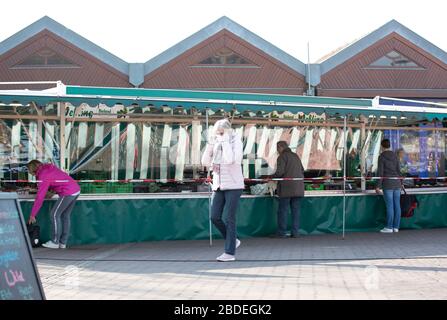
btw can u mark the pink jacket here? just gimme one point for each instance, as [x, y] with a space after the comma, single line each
[227, 175]
[47, 174]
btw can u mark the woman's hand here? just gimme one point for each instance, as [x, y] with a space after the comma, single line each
[31, 220]
[378, 191]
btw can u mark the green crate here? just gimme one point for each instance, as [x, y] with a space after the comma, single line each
[98, 175]
[85, 187]
[312, 187]
[99, 188]
[121, 187]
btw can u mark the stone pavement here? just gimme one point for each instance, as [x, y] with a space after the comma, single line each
[411, 264]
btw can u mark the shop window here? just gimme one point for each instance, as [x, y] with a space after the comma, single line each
[394, 59]
[225, 57]
[46, 58]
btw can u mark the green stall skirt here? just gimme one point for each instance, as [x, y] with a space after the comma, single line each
[132, 220]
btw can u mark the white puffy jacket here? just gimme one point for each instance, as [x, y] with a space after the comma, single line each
[227, 175]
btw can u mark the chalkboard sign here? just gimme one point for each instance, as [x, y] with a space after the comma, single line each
[19, 279]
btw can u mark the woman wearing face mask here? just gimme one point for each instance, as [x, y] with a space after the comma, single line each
[223, 155]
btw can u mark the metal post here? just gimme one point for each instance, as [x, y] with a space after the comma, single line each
[344, 175]
[61, 109]
[209, 185]
[363, 154]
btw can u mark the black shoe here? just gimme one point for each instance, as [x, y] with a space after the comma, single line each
[294, 236]
[279, 236]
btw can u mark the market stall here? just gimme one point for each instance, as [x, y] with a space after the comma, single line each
[136, 154]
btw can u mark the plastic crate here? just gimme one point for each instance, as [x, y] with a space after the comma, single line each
[121, 187]
[312, 187]
[86, 187]
[99, 188]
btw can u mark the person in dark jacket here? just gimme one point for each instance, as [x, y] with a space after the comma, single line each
[389, 171]
[290, 192]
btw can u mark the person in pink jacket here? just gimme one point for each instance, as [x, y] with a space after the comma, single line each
[223, 155]
[52, 178]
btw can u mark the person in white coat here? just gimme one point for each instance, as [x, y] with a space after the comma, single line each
[223, 155]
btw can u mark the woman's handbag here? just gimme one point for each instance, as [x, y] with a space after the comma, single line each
[408, 202]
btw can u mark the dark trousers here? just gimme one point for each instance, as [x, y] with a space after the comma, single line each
[228, 200]
[284, 205]
[60, 219]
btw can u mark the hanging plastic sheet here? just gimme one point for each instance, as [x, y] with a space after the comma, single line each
[99, 135]
[181, 153]
[196, 142]
[272, 155]
[265, 131]
[146, 144]
[130, 151]
[250, 133]
[49, 142]
[164, 152]
[294, 139]
[115, 143]
[307, 148]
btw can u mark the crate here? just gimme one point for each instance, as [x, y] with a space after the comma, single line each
[99, 188]
[312, 187]
[121, 187]
[85, 187]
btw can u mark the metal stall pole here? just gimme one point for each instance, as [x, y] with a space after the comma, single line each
[209, 185]
[344, 174]
[61, 107]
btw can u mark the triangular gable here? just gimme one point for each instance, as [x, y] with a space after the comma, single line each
[361, 45]
[394, 60]
[225, 57]
[219, 25]
[61, 31]
[45, 58]
[215, 64]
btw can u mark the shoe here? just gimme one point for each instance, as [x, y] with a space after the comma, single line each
[224, 257]
[51, 245]
[395, 230]
[279, 236]
[238, 243]
[62, 246]
[294, 236]
[386, 230]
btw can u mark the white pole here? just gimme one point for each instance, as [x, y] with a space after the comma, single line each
[209, 185]
[344, 174]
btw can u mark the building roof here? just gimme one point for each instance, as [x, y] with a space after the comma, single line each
[46, 23]
[215, 27]
[347, 52]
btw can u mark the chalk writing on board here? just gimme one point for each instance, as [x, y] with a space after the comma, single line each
[26, 292]
[7, 257]
[7, 228]
[19, 278]
[10, 241]
[8, 215]
[13, 276]
[5, 294]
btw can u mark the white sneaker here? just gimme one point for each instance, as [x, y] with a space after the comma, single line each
[238, 243]
[395, 230]
[386, 230]
[50, 244]
[224, 257]
[62, 246]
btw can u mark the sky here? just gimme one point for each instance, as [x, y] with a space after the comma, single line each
[138, 30]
